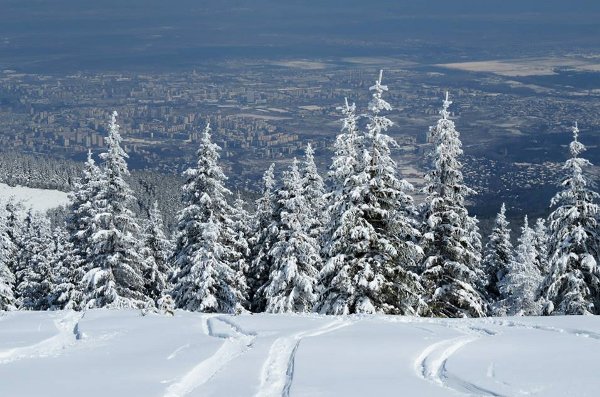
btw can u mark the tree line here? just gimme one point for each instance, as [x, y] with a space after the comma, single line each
[354, 243]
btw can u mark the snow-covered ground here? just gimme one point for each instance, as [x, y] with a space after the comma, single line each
[39, 199]
[121, 353]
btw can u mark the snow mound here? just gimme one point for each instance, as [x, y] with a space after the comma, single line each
[39, 199]
[126, 354]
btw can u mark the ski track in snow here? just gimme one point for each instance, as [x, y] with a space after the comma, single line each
[278, 371]
[567, 331]
[176, 351]
[68, 334]
[431, 364]
[234, 345]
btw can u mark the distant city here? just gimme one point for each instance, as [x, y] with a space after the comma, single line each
[269, 79]
[267, 111]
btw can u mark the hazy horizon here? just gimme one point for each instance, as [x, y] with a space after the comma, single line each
[68, 35]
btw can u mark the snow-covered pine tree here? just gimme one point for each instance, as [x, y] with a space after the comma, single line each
[314, 192]
[573, 283]
[33, 278]
[520, 286]
[72, 263]
[335, 279]
[295, 254]
[541, 245]
[348, 148]
[114, 278]
[166, 305]
[13, 228]
[264, 235]
[372, 248]
[346, 163]
[205, 279]
[389, 199]
[82, 210]
[497, 255]
[7, 278]
[7, 281]
[156, 253]
[66, 275]
[452, 276]
[240, 229]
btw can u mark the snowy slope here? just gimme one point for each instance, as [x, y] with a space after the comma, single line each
[38, 199]
[121, 353]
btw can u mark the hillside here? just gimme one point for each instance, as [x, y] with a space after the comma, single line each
[122, 353]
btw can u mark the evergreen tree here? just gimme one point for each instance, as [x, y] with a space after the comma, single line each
[573, 284]
[114, 278]
[498, 254]
[166, 305]
[75, 241]
[372, 248]
[295, 255]
[313, 189]
[156, 253]
[346, 163]
[343, 215]
[452, 276]
[84, 201]
[33, 285]
[265, 230]
[7, 297]
[7, 277]
[520, 285]
[67, 273]
[348, 147]
[13, 228]
[240, 229]
[205, 279]
[541, 245]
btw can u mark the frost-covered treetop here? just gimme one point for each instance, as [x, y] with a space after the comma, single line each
[446, 179]
[350, 119]
[90, 159]
[502, 215]
[310, 158]
[577, 183]
[115, 153]
[347, 146]
[378, 104]
[576, 147]
[445, 105]
[269, 178]
[209, 149]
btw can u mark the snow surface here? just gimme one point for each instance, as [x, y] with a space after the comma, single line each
[122, 353]
[39, 199]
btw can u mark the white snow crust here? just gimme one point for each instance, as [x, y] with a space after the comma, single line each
[122, 353]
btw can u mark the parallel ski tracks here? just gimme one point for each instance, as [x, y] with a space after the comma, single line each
[431, 364]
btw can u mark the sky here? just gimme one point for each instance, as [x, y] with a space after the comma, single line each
[83, 34]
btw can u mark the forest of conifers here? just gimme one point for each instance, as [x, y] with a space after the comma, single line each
[353, 242]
